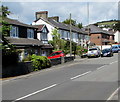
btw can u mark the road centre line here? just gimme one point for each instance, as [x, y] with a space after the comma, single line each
[105, 65]
[80, 75]
[35, 92]
[101, 67]
[113, 62]
[112, 95]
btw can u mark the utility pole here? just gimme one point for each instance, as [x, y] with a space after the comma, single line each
[88, 24]
[70, 37]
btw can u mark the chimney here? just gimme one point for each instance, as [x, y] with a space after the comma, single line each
[55, 18]
[43, 14]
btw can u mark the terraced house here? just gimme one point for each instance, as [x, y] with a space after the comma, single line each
[78, 36]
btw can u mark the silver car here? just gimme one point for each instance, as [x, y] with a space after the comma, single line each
[94, 52]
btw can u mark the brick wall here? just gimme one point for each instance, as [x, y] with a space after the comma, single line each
[96, 38]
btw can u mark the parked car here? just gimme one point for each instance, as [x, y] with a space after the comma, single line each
[107, 52]
[56, 54]
[115, 48]
[94, 52]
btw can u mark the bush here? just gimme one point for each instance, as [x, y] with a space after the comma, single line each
[28, 58]
[40, 62]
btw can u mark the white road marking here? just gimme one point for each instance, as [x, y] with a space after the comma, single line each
[113, 62]
[105, 65]
[35, 93]
[80, 75]
[111, 96]
[101, 67]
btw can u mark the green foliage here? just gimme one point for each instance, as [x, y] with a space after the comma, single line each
[28, 58]
[5, 28]
[5, 11]
[80, 50]
[117, 26]
[40, 62]
[79, 25]
[67, 21]
[73, 22]
[56, 39]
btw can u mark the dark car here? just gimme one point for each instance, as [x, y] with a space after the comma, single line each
[115, 48]
[107, 52]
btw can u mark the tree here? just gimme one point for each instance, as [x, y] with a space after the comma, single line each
[5, 11]
[79, 25]
[67, 21]
[5, 28]
[73, 22]
[117, 26]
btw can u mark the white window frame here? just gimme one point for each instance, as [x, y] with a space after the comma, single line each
[30, 33]
[14, 32]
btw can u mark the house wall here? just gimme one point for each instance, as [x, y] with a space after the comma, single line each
[117, 36]
[50, 28]
[64, 33]
[94, 39]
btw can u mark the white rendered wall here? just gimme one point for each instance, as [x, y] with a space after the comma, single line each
[117, 36]
[50, 28]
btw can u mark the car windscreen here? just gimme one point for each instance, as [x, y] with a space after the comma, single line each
[92, 49]
[119, 46]
[114, 47]
[106, 50]
[55, 53]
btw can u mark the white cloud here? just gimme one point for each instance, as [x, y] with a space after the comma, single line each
[98, 10]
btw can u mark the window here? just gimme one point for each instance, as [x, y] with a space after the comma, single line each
[44, 37]
[14, 31]
[30, 33]
[62, 34]
[65, 34]
[68, 35]
[44, 30]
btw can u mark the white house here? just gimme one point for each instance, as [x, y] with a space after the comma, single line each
[117, 36]
[78, 36]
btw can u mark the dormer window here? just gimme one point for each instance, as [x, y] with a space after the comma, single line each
[30, 33]
[14, 31]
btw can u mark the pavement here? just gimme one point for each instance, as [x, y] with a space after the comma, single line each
[77, 59]
[69, 66]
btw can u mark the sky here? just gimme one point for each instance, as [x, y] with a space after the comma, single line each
[98, 11]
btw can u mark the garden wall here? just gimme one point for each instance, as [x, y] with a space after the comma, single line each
[26, 67]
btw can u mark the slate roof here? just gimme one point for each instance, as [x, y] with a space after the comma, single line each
[66, 26]
[94, 29]
[62, 26]
[24, 41]
[16, 22]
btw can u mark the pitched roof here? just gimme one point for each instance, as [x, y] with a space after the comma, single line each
[60, 25]
[94, 29]
[24, 41]
[16, 22]
[66, 26]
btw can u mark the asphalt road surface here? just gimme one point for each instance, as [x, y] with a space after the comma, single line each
[83, 79]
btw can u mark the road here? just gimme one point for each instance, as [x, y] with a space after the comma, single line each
[86, 79]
